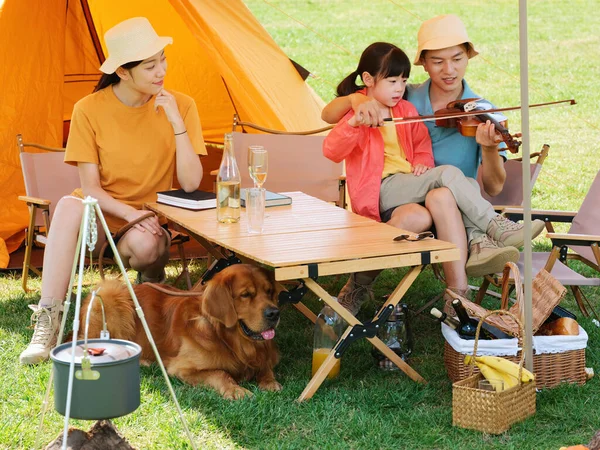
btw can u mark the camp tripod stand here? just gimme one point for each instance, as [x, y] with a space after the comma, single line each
[87, 238]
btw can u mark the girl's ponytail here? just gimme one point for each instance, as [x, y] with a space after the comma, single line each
[348, 85]
[380, 60]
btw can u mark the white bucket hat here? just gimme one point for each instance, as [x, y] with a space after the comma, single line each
[443, 32]
[131, 40]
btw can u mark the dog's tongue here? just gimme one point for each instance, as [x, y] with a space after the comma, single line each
[269, 334]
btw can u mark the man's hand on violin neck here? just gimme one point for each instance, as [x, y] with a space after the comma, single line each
[487, 136]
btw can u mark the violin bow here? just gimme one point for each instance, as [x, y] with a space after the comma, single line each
[413, 119]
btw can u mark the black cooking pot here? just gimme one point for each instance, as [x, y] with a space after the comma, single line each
[109, 388]
[106, 382]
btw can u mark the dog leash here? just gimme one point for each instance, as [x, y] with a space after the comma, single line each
[174, 292]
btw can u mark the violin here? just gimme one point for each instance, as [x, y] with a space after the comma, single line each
[467, 125]
[457, 113]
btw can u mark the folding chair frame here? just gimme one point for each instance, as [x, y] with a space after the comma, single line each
[34, 204]
[560, 243]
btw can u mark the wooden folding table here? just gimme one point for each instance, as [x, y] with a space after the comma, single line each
[310, 239]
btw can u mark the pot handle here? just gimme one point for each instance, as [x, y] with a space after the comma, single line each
[104, 334]
[86, 372]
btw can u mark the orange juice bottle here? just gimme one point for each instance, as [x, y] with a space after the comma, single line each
[319, 355]
[328, 329]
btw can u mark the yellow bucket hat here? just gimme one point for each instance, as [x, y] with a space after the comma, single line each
[442, 32]
[131, 40]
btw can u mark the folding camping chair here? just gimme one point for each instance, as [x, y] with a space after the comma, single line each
[580, 243]
[47, 179]
[512, 192]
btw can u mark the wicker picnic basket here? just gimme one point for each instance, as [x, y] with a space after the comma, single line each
[550, 369]
[547, 292]
[490, 411]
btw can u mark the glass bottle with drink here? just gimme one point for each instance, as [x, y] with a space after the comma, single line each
[329, 327]
[445, 318]
[397, 335]
[228, 185]
[468, 326]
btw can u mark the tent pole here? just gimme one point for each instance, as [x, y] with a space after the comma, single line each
[527, 276]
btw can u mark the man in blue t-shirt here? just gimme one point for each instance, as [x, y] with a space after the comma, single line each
[444, 51]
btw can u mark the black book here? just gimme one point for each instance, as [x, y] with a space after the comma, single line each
[195, 200]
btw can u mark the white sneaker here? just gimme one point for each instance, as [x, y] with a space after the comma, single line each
[507, 233]
[45, 333]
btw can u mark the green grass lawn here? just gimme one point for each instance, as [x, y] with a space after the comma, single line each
[367, 408]
[364, 408]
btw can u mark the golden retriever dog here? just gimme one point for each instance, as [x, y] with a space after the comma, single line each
[218, 338]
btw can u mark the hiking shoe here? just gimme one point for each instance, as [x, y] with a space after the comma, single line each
[485, 257]
[354, 294]
[507, 233]
[44, 335]
[465, 293]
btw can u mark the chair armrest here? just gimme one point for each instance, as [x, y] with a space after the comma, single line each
[560, 239]
[502, 208]
[516, 214]
[35, 200]
[214, 172]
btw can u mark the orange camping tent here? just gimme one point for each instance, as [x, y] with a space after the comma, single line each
[50, 52]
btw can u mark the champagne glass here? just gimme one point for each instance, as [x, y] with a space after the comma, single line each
[258, 164]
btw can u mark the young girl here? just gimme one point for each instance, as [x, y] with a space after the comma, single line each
[391, 166]
[126, 139]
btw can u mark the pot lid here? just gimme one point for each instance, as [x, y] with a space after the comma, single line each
[100, 351]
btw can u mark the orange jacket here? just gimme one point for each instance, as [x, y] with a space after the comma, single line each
[362, 148]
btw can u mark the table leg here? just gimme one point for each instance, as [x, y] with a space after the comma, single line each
[394, 298]
[401, 289]
[307, 312]
[399, 362]
[318, 378]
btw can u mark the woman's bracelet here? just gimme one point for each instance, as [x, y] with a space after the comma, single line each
[183, 132]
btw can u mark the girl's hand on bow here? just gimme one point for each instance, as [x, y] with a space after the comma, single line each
[367, 110]
[420, 169]
[167, 102]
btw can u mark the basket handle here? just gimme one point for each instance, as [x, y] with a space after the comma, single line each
[508, 268]
[499, 312]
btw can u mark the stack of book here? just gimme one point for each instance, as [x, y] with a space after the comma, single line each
[196, 200]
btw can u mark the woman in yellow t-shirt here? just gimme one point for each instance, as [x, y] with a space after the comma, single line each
[127, 139]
